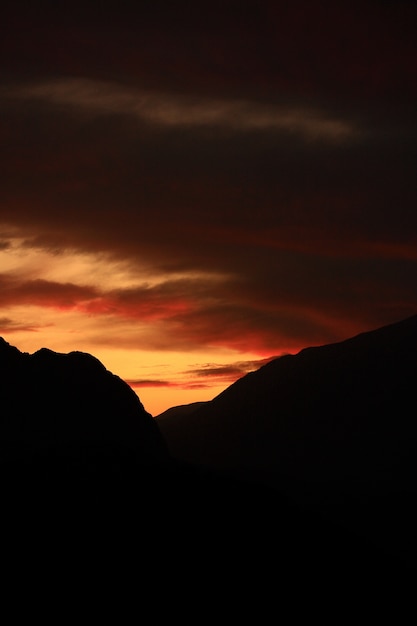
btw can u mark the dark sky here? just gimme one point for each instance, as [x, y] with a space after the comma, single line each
[249, 168]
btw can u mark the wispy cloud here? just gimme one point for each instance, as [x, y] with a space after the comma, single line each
[228, 371]
[165, 109]
[204, 376]
[140, 383]
[8, 325]
[43, 293]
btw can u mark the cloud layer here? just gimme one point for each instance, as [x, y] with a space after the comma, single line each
[239, 178]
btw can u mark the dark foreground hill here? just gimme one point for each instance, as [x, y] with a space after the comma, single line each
[334, 426]
[91, 494]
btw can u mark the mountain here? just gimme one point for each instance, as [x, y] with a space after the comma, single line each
[334, 426]
[91, 492]
[50, 399]
[182, 409]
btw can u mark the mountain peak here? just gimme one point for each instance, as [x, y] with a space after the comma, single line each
[6, 349]
[50, 398]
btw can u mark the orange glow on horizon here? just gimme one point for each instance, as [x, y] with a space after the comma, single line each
[175, 337]
[49, 300]
[184, 215]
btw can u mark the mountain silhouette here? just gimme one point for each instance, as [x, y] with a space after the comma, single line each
[87, 476]
[334, 426]
[182, 409]
[51, 399]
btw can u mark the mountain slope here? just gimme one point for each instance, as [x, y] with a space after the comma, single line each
[348, 408]
[89, 490]
[335, 426]
[182, 409]
[52, 399]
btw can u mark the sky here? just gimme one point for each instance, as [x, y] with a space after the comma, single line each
[189, 189]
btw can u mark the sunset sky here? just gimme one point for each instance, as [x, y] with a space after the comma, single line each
[191, 188]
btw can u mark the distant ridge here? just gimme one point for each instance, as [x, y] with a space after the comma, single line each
[182, 409]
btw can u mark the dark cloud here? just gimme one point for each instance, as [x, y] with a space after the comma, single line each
[187, 385]
[343, 48]
[230, 371]
[136, 384]
[8, 325]
[222, 371]
[265, 151]
[212, 373]
[39, 292]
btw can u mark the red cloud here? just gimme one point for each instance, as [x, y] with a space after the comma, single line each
[244, 315]
[39, 292]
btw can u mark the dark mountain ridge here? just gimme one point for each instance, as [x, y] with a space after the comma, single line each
[182, 409]
[50, 399]
[86, 476]
[334, 426]
[346, 410]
